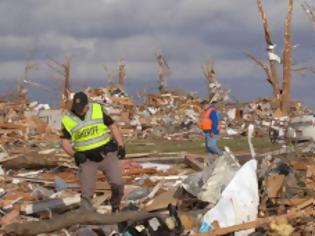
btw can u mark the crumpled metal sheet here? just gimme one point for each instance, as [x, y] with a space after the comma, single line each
[209, 184]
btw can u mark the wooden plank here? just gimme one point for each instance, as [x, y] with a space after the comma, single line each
[310, 172]
[161, 201]
[274, 185]
[162, 159]
[139, 171]
[6, 125]
[298, 165]
[194, 163]
[292, 201]
[9, 158]
[259, 222]
[99, 200]
[305, 204]
[10, 217]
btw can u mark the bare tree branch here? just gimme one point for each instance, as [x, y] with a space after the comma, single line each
[265, 23]
[301, 69]
[310, 12]
[64, 70]
[55, 69]
[262, 65]
[54, 61]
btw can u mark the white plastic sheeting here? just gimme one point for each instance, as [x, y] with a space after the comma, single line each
[239, 201]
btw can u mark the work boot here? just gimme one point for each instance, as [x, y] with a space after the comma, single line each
[86, 205]
[117, 194]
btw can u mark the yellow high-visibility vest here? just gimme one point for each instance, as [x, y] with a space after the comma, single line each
[89, 133]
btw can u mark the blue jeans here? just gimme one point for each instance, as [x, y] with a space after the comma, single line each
[212, 144]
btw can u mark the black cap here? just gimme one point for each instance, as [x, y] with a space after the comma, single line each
[80, 100]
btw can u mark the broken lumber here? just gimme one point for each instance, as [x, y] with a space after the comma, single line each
[194, 163]
[260, 222]
[161, 201]
[274, 185]
[9, 158]
[10, 217]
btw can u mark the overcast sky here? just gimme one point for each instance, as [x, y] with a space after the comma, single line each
[187, 32]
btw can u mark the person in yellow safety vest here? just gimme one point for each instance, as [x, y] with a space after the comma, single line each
[86, 135]
[209, 124]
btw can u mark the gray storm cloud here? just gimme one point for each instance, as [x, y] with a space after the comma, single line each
[188, 32]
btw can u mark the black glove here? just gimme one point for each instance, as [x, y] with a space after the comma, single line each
[111, 146]
[79, 158]
[121, 152]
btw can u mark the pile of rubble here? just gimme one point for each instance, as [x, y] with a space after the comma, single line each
[39, 190]
[175, 116]
[23, 134]
[274, 193]
[170, 115]
[260, 112]
[163, 116]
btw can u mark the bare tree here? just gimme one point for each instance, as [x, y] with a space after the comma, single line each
[209, 73]
[110, 74]
[122, 75]
[64, 70]
[282, 94]
[27, 68]
[21, 88]
[215, 91]
[164, 70]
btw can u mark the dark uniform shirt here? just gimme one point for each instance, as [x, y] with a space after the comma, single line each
[95, 154]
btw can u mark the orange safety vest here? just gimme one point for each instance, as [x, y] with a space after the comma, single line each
[205, 122]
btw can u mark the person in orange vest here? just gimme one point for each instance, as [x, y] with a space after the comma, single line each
[209, 124]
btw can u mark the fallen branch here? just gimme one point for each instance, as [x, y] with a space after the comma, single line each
[73, 218]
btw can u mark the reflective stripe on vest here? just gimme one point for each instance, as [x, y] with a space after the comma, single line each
[89, 133]
[205, 122]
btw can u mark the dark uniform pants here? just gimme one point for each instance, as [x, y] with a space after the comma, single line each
[111, 169]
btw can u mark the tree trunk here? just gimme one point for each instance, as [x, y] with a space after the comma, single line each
[287, 62]
[121, 75]
[209, 73]
[66, 89]
[161, 80]
[163, 71]
[272, 62]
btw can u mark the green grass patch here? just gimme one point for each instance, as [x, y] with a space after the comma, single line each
[236, 144]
